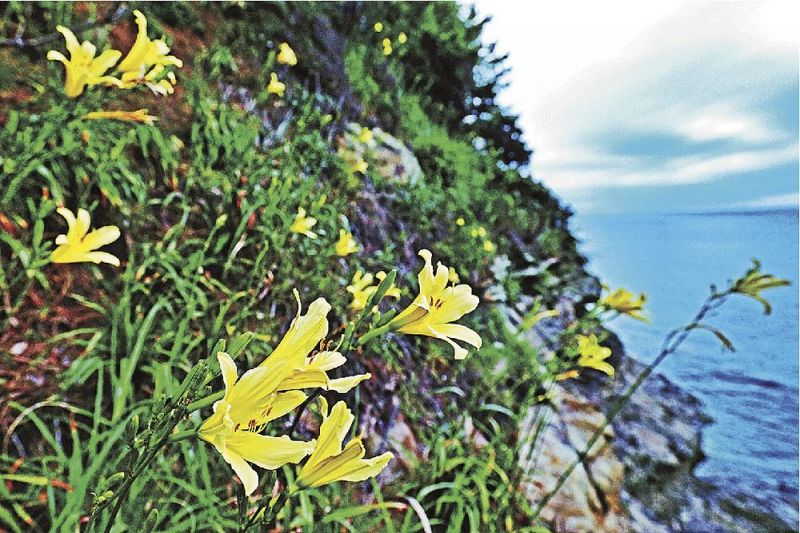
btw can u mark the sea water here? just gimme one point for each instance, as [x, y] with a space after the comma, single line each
[752, 394]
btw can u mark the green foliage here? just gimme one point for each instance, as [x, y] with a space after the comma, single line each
[205, 200]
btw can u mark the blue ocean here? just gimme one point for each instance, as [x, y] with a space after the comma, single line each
[752, 394]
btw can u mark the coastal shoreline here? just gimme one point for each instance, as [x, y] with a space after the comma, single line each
[641, 475]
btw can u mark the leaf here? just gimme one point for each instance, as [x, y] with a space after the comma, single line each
[497, 409]
[436, 486]
[726, 342]
[420, 511]
[7, 518]
[451, 389]
[358, 510]
[239, 344]
[30, 480]
[534, 317]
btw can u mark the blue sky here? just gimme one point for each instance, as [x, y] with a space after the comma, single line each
[666, 106]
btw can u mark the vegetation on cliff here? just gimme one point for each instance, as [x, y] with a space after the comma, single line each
[256, 157]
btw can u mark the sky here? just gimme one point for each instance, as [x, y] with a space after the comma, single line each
[668, 106]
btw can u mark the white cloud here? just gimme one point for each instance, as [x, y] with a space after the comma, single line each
[679, 171]
[726, 124]
[587, 76]
[791, 199]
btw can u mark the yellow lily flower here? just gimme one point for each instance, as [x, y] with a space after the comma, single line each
[452, 275]
[330, 462]
[274, 86]
[460, 221]
[140, 115]
[314, 374]
[402, 37]
[488, 246]
[569, 374]
[346, 244]
[82, 68]
[361, 288]
[479, 232]
[365, 135]
[77, 246]
[303, 224]
[286, 55]
[592, 355]
[387, 47]
[436, 307]
[162, 86]
[250, 402]
[754, 282]
[360, 166]
[146, 61]
[378, 27]
[305, 333]
[622, 301]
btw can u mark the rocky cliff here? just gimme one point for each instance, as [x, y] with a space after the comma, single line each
[640, 475]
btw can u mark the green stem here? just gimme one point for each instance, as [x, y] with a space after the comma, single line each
[271, 513]
[671, 343]
[275, 506]
[205, 402]
[21, 299]
[298, 416]
[182, 435]
[122, 492]
[371, 334]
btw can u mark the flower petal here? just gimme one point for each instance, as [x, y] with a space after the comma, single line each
[425, 276]
[602, 366]
[343, 385]
[252, 394]
[326, 361]
[304, 334]
[283, 403]
[368, 468]
[55, 55]
[82, 224]
[462, 333]
[89, 50]
[332, 432]
[69, 216]
[456, 302]
[70, 41]
[101, 237]
[218, 426]
[268, 452]
[329, 468]
[138, 51]
[422, 328]
[96, 258]
[305, 379]
[104, 61]
[229, 371]
[245, 472]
